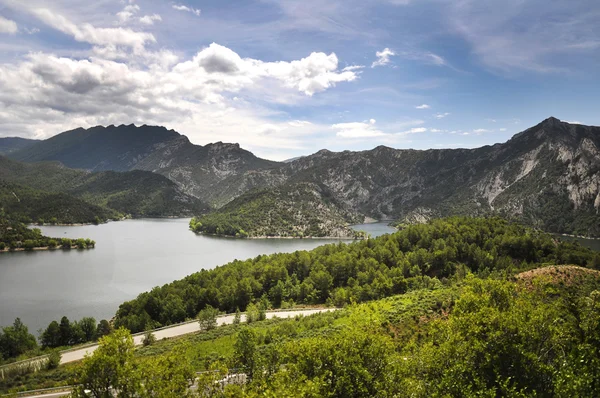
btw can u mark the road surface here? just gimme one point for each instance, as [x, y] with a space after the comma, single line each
[186, 328]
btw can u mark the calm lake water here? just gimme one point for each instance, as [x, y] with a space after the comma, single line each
[130, 257]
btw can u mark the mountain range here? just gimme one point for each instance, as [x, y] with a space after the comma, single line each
[547, 176]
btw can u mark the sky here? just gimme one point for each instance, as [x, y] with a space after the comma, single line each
[286, 78]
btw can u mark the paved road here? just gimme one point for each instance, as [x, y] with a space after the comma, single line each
[186, 328]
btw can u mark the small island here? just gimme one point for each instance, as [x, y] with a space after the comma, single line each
[295, 211]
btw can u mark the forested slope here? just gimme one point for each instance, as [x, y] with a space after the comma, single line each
[301, 210]
[361, 271]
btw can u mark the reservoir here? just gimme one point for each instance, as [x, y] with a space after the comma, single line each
[130, 257]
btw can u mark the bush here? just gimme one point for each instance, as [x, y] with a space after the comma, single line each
[149, 338]
[53, 359]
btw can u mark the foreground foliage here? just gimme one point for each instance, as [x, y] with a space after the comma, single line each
[367, 270]
[536, 335]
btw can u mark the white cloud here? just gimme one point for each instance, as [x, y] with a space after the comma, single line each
[8, 26]
[383, 57]
[502, 129]
[438, 131]
[108, 37]
[572, 122]
[150, 19]
[181, 7]
[423, 106]
[299, 123]
[481, 131]
[372, 121]
[441, 115]
[357, 130]
[127, 12]
[415, 130]
[32, 31]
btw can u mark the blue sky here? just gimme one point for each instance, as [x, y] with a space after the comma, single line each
[287, 78]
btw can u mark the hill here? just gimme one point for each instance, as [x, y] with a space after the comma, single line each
[49, 189]
[300, 210]
[12, 144]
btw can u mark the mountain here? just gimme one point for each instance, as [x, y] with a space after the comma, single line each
[547, 176]
[105, 194]
[298, 210]
[195, 168]
[12, 144]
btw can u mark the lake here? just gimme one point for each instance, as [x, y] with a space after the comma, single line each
[130, 257]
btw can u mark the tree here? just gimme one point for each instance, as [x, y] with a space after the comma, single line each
[51, 336]
[16, 340]
[252, 313]
[109, 369]
[149, 338]
[88, 327]
[245, 351]
[103, 329]
[207, 318]
[237, 318]
[66, 331]
[112, 371]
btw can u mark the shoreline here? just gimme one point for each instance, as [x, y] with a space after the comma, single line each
[278, 237]
[577, 236]
[43, 248]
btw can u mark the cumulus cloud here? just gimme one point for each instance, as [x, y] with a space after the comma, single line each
[45, 94]
[481, 131]
[181, 7]
[8, 26]
[423, 106]
[441, 115]
[150, 19]
[383, 57]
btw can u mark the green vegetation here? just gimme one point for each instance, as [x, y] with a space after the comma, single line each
[301, 210]
[15, 340]
[534, 335]
[49, 192]
[338, 274]
[15, 235]
[65, 333]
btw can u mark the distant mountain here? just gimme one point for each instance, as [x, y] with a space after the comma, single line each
[195, 168]
[547, 176]
[12, 144]
[298, 210]
[138, 193]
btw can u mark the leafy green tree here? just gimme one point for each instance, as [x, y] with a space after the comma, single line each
[237, 318]
[88, 327]
[207, 318]
[109, 369]
[16, 340]
[252, 313]
[66, 331]
[103, 329]
[244, 351]
[51, 336]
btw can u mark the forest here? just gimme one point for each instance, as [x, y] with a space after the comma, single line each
[338, 274]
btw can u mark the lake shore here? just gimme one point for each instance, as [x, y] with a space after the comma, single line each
[43, 248]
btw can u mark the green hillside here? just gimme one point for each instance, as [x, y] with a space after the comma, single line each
[301, 210]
